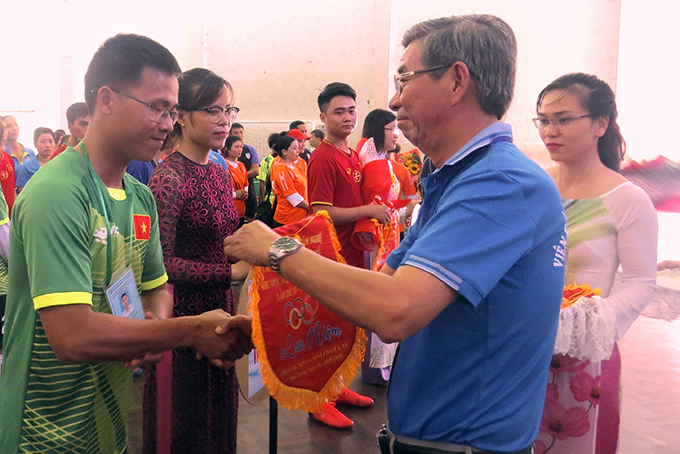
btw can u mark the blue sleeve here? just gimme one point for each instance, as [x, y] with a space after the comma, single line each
[24, 172]
[140, 170]
[217, 159]
[482, 226]
[254, 156]
[21, 175]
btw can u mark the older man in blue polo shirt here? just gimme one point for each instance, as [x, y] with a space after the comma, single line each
[473, 292]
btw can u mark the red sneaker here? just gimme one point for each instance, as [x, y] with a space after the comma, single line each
[350, 397]
[331, 416]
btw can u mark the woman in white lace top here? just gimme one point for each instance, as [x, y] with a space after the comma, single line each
[610, 222]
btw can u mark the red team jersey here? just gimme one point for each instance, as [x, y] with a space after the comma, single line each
[335, 180]
[7, 178]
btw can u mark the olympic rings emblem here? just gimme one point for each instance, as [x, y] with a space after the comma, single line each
[299, 312]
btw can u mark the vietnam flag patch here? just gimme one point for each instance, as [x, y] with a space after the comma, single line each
[142, 224]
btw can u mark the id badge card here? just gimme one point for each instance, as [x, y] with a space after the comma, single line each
[123, 296]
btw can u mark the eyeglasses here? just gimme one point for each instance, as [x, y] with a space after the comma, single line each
[215, 113]
[158, 114]
[394, 130]
[400, 79]
[542, 123]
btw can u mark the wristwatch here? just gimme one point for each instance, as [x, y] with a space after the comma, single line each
[282, 247]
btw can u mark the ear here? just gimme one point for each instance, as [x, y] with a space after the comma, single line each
[601, 124]
[106, 98]
[322, 117]
[459, 77]
[182, 118]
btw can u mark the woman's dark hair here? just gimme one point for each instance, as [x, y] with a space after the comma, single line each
[199, 87]
[598, 99]
[231, 140]
[283, 143]
[374, 126]
[272, 139]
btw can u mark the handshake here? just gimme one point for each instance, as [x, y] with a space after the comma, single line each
[216, 335]
[223, 338]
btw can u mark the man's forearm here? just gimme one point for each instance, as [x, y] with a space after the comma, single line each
[254, 171]
[77, 334]
[341, 216]
[395, 305]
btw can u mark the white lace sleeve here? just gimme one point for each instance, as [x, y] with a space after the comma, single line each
[636, 246]
[586, 330]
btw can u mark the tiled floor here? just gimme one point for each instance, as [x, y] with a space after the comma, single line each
[650, 419]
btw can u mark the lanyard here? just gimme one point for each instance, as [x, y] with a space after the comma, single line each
[95, 180]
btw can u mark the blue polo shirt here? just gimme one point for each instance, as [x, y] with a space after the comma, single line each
[489, 228]
[24, 172]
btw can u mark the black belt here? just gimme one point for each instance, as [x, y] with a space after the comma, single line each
[392, 444]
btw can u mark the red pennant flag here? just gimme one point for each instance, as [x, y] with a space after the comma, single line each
[308, 355]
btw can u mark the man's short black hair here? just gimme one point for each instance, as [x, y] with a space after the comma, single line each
[119, 62]
[318, 133]
[332, 90]
[236, 126]
[295, 124]
[75, 111]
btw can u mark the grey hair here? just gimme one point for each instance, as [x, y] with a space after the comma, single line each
[485, 43]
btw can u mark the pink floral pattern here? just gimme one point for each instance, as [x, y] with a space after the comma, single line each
[585, 388]
[569, 418]
[564, 363]
[196, 212]
[562, 423]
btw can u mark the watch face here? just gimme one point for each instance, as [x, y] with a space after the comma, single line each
[286, 244]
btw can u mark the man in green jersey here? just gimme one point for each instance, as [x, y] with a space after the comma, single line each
[81, 229]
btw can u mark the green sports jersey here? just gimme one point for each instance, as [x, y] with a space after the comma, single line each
[58, 241]
[4, 219]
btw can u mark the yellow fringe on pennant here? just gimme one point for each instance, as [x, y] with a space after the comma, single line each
[299, 398]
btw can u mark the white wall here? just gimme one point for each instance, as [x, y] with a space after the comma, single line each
[648, 95]
[279, 56]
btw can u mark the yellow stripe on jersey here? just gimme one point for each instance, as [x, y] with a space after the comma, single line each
[154, 283]
[62, 299]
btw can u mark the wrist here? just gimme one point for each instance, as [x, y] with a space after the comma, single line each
[280, 249]
[188, 330]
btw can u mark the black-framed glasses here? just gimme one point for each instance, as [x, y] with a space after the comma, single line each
[158, 114]
[215, 113]
[542, 123]
[400, 79]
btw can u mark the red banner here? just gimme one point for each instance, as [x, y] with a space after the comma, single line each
[308, 354]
